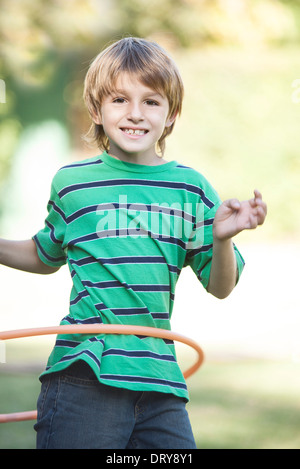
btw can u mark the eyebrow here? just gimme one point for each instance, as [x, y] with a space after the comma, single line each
[151, 93]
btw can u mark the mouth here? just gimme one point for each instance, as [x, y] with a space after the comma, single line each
[135, 132]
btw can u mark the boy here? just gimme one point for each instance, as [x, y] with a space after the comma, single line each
[127, 222]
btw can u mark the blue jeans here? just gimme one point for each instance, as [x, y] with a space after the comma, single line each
[75, 411]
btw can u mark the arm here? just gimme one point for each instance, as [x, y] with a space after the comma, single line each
[23, 255]
[231, 218]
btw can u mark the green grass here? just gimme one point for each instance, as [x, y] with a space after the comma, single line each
[233, 404]
[246, 405]
[18, 392]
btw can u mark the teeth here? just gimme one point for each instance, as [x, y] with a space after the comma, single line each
[134, 132]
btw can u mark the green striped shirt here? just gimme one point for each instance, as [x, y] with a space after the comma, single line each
[126, 231]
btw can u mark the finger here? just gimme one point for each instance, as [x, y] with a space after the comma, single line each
[259, 202]
[257, 194]
[252, 222]
[234, 204]
[261, 215]
[252, 202]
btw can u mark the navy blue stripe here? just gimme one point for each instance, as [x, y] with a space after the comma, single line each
[117, 283]
[207, 222]
[137, 182]
[104, 284]
[90, 320]
[168, 341]
[83, 261]
[138, 354]
[150, 287]
[80, 295]
[52, 233]
[141, 379]
[202, 223]
[174, 268]
[194, 252]
[138, 311]
[120, 260]
[66, 343]
[81, 212]
[129, 311]
[92, 208]
[182, 166]
[160, 315]
[100, 306]
[170, 239]
[126, 232]
[83, 239]
[50, 258]
[95, 339]
[199, 273]
[57, 209]
[75, 165]
[133, 260]
[69, 320]
[169, 211]
[79, 354]
[126, 260]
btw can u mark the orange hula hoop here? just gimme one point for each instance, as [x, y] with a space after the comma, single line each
[98, 329]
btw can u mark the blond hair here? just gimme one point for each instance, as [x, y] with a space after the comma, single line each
[149, 63]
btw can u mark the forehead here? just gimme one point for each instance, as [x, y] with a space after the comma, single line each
[131, 83]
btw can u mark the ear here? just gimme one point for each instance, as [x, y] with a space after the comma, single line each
[171, 120]
[97, 118]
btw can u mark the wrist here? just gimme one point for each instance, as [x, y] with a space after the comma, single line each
[222, 246]
[222, 240]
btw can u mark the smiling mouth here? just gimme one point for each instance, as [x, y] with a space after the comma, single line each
[135, 131]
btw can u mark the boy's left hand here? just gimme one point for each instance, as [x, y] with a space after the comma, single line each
[234, 216]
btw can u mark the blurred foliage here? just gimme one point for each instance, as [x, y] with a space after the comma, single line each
[46, 47]
[33, 31]
[240, 128]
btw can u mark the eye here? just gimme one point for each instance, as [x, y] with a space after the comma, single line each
[151, 102]
[118, 100]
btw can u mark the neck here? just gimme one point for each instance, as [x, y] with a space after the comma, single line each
[149, 160]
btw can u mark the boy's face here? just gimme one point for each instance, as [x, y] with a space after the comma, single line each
[134, 117]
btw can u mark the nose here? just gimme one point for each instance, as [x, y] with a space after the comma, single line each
[135, 112]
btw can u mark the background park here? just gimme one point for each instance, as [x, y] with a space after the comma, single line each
[240, 63]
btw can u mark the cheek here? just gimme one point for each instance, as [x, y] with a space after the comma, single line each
[107, 120]
[160, 119]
